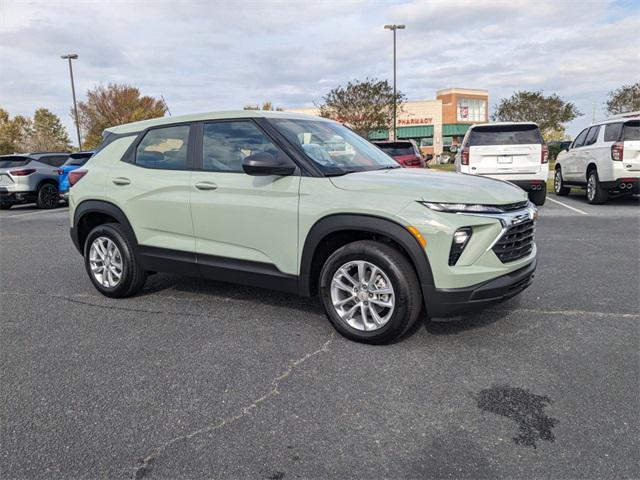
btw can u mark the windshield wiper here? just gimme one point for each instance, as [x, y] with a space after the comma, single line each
[388, 167]
[339, 174]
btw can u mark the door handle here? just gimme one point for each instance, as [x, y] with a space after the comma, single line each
[206, 186]
[121, 181]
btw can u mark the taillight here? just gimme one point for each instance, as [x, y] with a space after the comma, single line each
[75, 176]
[544, 156]
[22, 173]
[617, 151]
[415, 162]
[464, 156]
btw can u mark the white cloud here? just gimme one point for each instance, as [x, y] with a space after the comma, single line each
[222, 55]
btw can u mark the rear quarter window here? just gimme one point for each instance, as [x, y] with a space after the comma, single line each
[505, 135]
[631, 131]
[612, 132]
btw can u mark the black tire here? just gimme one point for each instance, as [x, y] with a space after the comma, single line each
[401, 275]
[538, 197]
[133, 275]
[5, 206]
[596, 195]
[47, 196]
[558, 184]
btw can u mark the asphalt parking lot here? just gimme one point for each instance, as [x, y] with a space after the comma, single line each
[200, 379]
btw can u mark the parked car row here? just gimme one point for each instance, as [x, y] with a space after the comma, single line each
[39, 177]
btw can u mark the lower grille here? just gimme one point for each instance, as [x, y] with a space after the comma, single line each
[516, 243]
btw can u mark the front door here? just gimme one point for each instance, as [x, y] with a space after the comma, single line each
[243, 221]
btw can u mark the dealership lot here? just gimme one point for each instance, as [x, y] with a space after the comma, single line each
[195, 378]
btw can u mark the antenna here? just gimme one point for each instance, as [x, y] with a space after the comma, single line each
[165, 104]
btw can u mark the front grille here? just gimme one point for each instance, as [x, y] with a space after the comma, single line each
[513, 206]
[516, 243]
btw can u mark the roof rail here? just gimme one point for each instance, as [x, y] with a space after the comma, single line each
[625, 115]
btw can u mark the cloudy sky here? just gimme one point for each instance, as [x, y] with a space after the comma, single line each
[220, 55]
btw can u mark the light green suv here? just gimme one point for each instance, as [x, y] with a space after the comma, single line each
[303, 205]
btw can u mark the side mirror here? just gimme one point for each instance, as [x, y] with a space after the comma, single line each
[264, 164]
[453, 148]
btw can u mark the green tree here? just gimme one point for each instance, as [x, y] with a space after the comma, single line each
[112, 105]
[364, 106]
[549, 112]
[14, 133]
[267, 106]
[624, 99]
[47, 134]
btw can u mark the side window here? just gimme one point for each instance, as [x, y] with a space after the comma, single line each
[55, 160]
[592, 136]
[579, 141]
[226, 144]
[612, 132]
[164, 148]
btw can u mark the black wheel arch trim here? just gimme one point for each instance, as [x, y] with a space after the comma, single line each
[367, 223]
[105, 207]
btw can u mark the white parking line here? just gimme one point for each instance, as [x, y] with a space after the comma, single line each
[39, 212]
[567, 206]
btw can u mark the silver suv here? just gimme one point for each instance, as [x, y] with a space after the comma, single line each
[30, 177]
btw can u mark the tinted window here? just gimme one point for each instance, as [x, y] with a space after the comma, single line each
[78, 159]
[592, 135]
[631, 131]
[164, 148]
[397, 149]
[226, 144]
[13, 161]
[612, 132]
[505, 135]
[54, 160]
[580, 138]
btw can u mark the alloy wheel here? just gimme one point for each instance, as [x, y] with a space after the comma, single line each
[557, 183]
[362, 295]
[105, 261]
[591, 187]
[49, 196]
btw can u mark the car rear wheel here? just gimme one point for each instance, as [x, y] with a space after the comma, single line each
[47, 196]
[538, 197]
[596, 195]
[111, 262]
[558, 186]
[370, 292]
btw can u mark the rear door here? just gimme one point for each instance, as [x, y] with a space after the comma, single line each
[505, 149]
[631, 139]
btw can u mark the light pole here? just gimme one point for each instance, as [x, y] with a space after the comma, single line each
[74, 56]
[394, 28]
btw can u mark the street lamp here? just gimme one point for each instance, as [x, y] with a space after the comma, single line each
[73, 56]
[394, 28]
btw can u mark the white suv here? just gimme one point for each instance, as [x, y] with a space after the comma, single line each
[511, 151]
[604, 158]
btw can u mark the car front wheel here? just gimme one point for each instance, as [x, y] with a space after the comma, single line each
[111, 262]
[47, 196]
[370, 292]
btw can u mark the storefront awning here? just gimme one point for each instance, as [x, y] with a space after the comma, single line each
[450, 129]
[379, 135]
[415, 131]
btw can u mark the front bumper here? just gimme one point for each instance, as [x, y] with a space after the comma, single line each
[447, 302]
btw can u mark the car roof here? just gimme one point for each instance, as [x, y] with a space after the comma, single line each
[497, 124]
[383, 142]
[144, 124]
[623, 117]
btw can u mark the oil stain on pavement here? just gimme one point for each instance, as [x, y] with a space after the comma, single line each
[523, 407]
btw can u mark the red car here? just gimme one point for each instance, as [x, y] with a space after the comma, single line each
[405, 152]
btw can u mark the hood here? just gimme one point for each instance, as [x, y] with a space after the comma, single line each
[432, 186]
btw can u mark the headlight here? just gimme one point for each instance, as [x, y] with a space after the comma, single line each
[461, 207]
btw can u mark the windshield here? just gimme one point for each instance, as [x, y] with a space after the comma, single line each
[13, 161]
[334, 148]
[396, 149]
[505, 135]
[631, 131]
